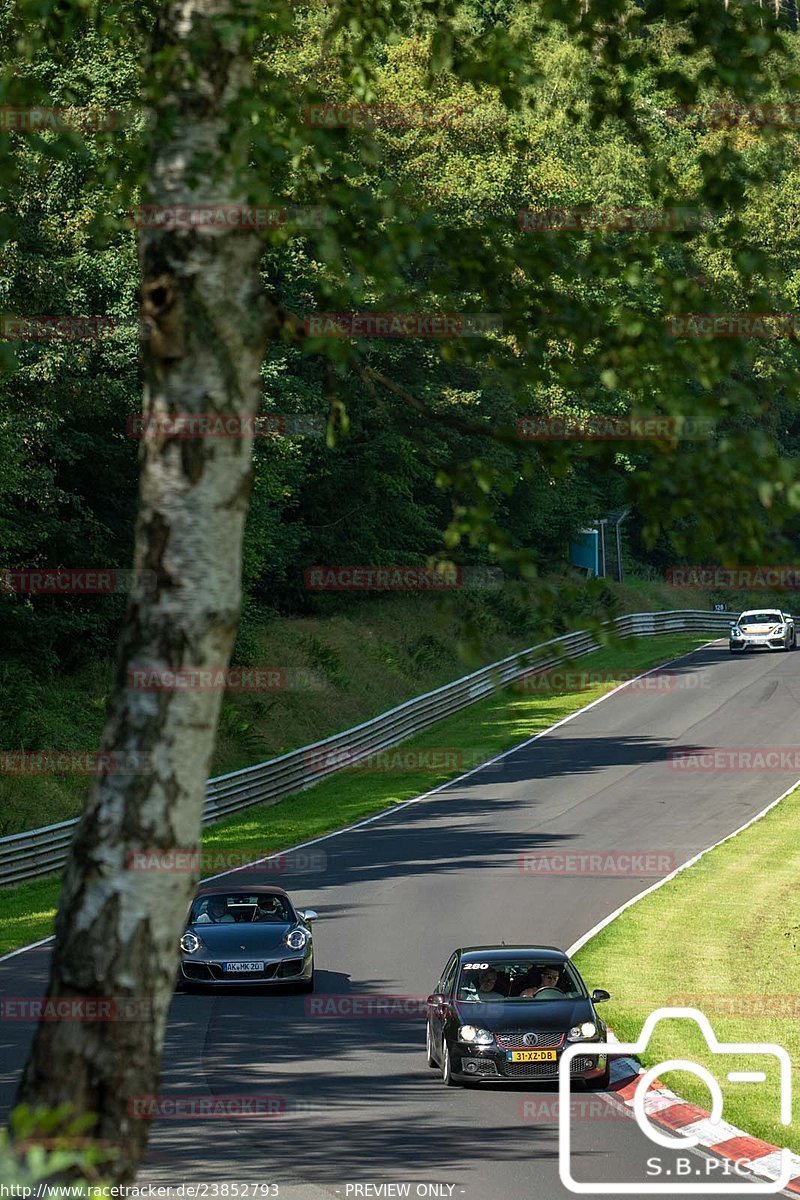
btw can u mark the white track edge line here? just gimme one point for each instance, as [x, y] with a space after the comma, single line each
[30, 946]
[424, 795]
[582, 941]
[690, 862]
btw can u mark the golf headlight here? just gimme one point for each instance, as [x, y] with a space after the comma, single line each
[190, 943]
[296, 940]
[579, 1032]
[475, 1036]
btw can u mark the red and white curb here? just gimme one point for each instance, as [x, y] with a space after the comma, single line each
[669, 1111]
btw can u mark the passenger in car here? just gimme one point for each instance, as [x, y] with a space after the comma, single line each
[216, 913]
[487, 986]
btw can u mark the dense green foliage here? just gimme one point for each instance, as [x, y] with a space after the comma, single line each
[533, 105]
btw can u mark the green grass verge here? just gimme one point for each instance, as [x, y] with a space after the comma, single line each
[355, 657]
[724, 937]
[484, 729]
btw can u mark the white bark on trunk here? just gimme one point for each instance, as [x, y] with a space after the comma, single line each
[204, 321]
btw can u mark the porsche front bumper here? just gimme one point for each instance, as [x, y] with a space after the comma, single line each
[293, 968]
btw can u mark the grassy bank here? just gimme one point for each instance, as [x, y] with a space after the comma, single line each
[478, 732]
[336, 670]
[723, 937]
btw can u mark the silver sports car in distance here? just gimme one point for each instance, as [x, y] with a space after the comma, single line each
[253, 936]
[766, 627]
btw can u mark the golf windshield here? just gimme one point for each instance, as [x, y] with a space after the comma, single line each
[518, 979]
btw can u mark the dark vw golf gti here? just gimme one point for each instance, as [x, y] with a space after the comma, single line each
[253, 936]
[505, 1013]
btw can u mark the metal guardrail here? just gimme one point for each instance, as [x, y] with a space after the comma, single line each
[40, 852]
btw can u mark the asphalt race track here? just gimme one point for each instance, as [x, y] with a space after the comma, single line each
[397, 895]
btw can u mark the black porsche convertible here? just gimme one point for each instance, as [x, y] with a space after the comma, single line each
[504, 1014]
[251, 936]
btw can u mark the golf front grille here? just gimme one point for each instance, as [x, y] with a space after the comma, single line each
[478, 1066]
[546, 1039]
[545, 1070]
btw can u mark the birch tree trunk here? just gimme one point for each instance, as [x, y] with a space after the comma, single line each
[203, 340]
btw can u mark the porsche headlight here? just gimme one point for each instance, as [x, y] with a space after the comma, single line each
[736, 632]
[190, 943]
[475, 1036]
[579, 1033]
[297, 939]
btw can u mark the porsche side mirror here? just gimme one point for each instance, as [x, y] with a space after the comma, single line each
[599, 995]
[436, 1000]
[307, 914]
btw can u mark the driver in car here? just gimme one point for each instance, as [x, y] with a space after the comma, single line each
[548, 979]
[269, 909]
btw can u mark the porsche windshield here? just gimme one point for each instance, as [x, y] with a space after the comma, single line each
[519, 979]
[761, 618]
[229, 908]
